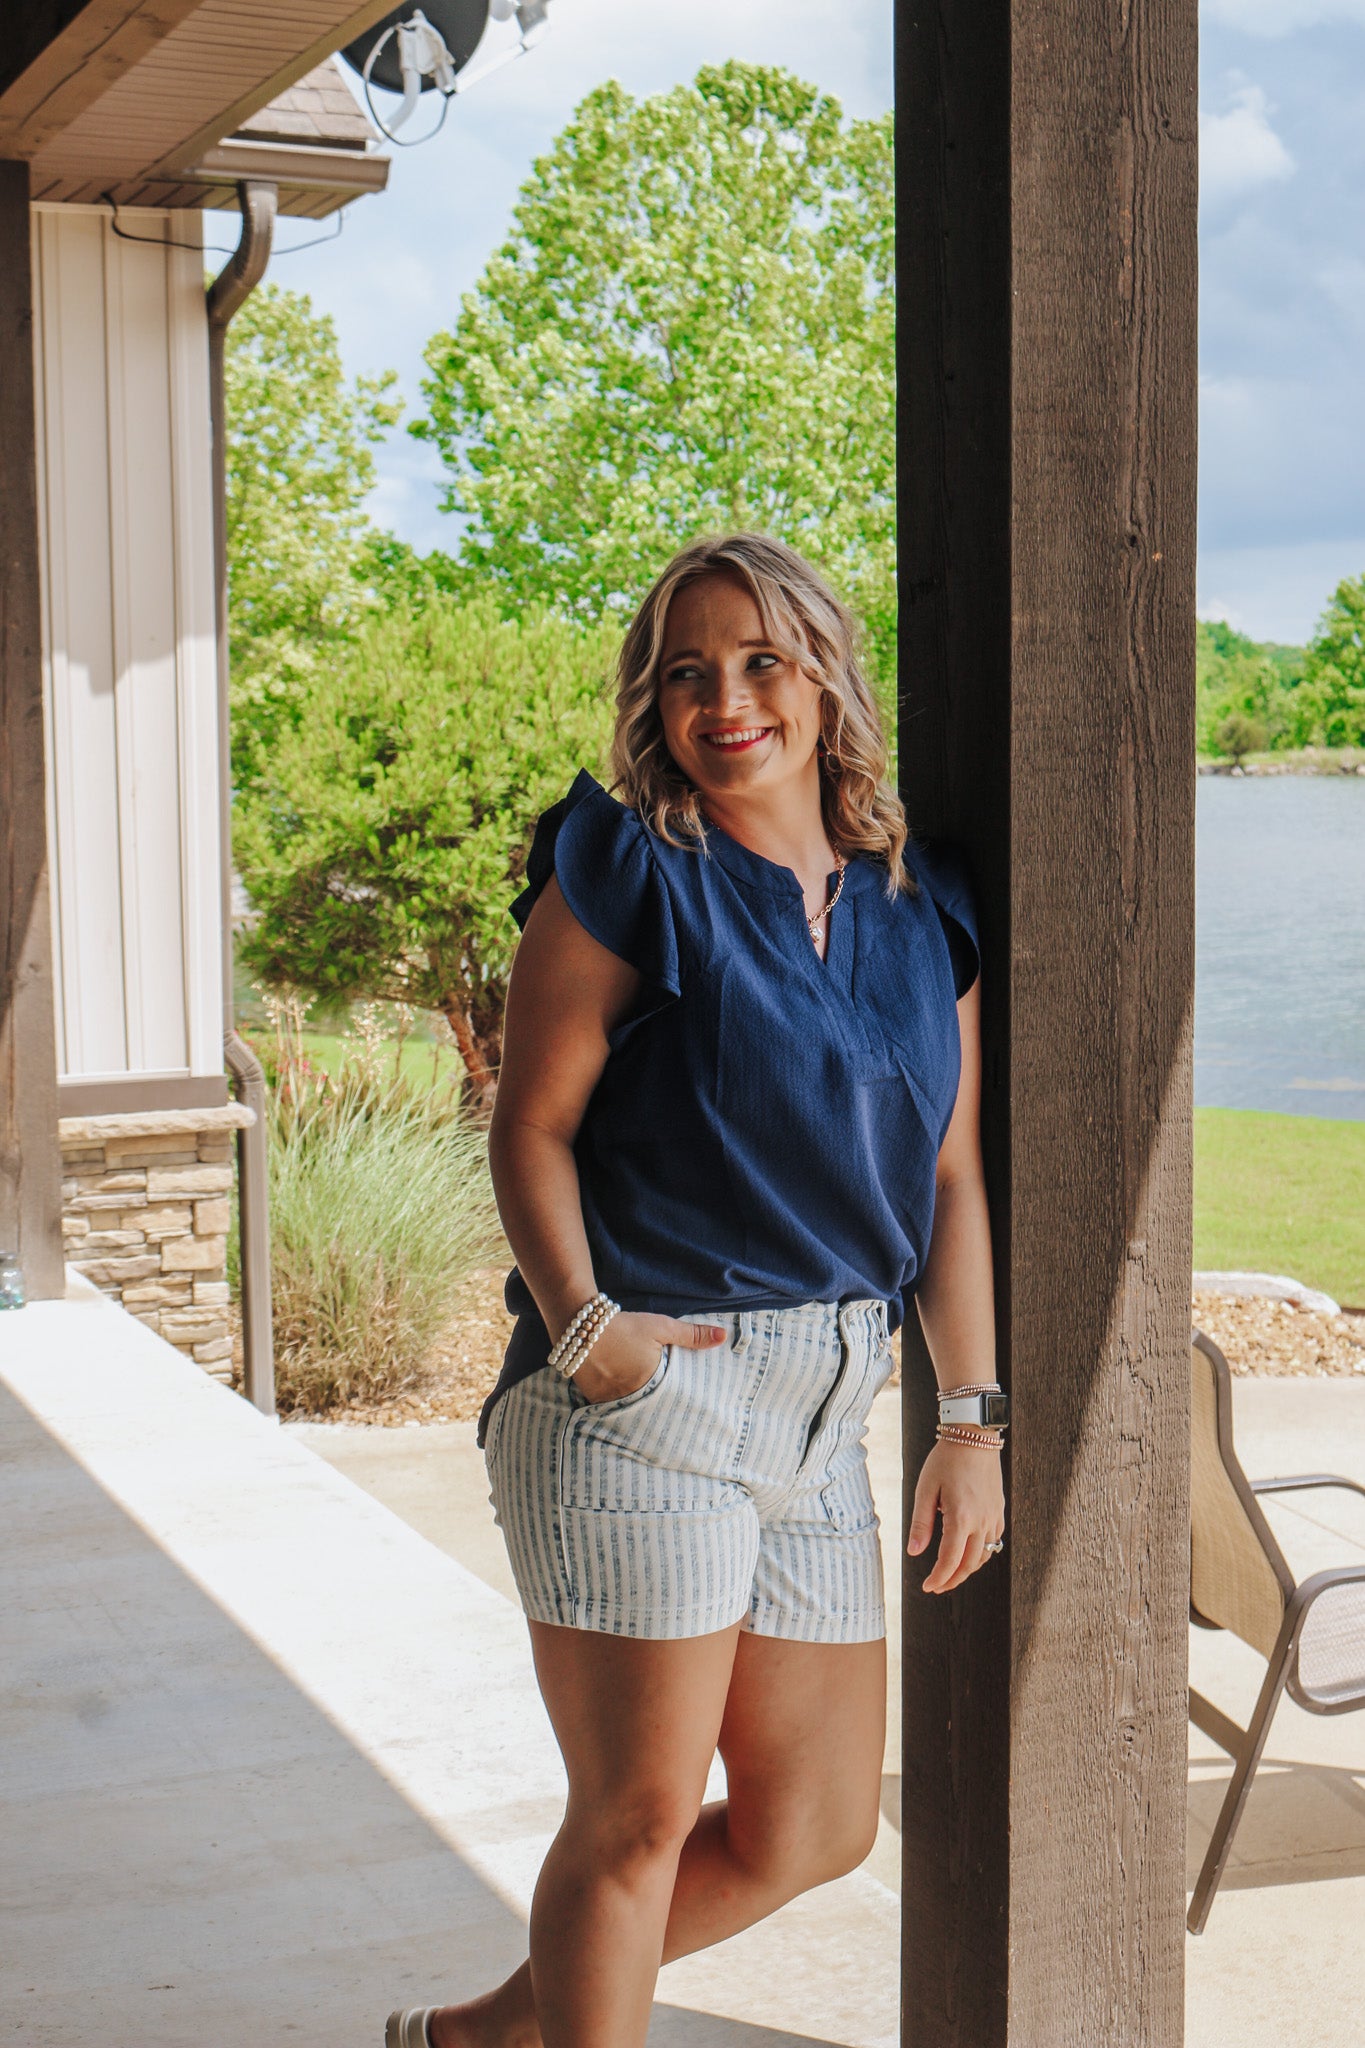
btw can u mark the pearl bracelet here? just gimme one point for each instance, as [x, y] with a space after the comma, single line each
[587, 1342]
[563, 1341]
[568, 1354]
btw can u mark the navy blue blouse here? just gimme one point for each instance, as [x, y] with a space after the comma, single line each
[767, 1126]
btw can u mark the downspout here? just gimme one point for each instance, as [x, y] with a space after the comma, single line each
[239, 276]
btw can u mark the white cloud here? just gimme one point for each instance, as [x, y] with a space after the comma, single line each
[1275, 592]
[1238, 149]
[1280, 17]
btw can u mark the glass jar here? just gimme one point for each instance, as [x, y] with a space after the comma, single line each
[13, 1293]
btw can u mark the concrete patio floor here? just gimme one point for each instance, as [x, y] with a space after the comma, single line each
[273, 1762]
[275, 1759]
[1281, 1962]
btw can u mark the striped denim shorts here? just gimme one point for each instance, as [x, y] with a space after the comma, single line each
[732, 1486]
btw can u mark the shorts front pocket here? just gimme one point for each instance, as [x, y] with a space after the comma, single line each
[619, 1401]
[848, 1501]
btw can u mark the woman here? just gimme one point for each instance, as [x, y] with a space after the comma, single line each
[740, 1084]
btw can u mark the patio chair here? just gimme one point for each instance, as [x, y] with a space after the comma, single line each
[1312, 1635]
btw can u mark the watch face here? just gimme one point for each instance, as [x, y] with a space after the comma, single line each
[997, 1407]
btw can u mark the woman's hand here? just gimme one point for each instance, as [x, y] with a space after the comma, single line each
[963, 1484]
[630, 1349]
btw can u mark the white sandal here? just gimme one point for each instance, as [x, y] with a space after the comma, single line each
[408, 2027]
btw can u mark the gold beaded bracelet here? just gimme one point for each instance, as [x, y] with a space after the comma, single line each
[962, 1433]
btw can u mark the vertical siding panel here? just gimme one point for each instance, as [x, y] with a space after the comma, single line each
[143, 566]
[129, 654]
[77, 545]
[41, 258]
[192, 520]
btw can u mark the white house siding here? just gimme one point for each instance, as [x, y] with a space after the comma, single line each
[126, 505]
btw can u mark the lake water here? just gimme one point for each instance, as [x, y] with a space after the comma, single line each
[1280, 980]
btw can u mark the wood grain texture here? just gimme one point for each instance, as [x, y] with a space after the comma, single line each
[68, 57]
[1047, 359]
[30, 1161]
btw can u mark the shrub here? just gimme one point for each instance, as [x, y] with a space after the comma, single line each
[1239, 736]
[380, 1205]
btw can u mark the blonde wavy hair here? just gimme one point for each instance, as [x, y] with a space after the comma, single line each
[805, 620]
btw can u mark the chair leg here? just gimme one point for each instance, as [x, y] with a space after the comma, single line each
[1244, 1770]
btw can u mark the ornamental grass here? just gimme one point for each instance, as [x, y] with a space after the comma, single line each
[380, 1206]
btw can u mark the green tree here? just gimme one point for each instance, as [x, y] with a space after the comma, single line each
[1243, 684]
[388, 830]
[301, 561]
[690, 327]
[1335, 676]
[1239, 736]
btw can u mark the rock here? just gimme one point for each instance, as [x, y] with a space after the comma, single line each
[212, 1219]
[186, 1254]
[188, 1180]
[1267, 1287]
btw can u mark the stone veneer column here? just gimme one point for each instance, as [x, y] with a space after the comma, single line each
[145, 1205]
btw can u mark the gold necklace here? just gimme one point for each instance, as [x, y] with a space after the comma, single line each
[813, 923]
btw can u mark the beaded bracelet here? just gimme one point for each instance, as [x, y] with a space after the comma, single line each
[962, 1433]
[579, 1335]
[565, 1340]
[582, 1334]
[586, 1342]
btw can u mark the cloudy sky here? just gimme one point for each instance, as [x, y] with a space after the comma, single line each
[1282, 384]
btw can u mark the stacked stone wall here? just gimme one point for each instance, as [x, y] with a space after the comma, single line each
[145, 1209]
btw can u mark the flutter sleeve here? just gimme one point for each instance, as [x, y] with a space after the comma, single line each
[944, 877]
[599, 852]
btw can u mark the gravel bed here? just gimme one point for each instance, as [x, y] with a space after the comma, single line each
[1273, 1338]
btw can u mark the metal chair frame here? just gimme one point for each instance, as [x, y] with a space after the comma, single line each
[1245, 1745]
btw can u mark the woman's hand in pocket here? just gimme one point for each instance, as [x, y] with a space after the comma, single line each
[630, 1351]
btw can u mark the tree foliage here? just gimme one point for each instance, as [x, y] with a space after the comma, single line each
[299, 468]
[1243, 687]
[690, 327]
[1334, 678]
[388, 830]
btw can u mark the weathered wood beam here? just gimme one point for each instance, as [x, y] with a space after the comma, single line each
[30, 1160]
[1047, 308]
[68, 56]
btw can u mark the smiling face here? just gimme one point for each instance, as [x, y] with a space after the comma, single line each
[738, 714]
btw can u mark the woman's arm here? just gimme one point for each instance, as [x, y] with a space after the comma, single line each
[956, 1306]
[566, 993]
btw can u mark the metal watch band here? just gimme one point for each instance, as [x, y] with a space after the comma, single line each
[983, 1411]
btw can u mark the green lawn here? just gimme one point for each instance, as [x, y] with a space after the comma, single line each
[422, 1058]
[1281, 1194]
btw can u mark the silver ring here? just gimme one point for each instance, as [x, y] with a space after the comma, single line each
[995, 1546]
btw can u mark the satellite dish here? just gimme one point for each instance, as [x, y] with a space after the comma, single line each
[459, 23]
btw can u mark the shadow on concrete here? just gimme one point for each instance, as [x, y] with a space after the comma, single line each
[190, 1851]
[1303, 1823]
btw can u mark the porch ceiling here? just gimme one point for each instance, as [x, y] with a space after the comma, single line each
[136, 99]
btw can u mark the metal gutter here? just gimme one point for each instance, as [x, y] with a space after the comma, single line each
[234, 283]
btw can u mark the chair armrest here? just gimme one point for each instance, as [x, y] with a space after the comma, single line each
[1301, 1481]
[1307, 1590]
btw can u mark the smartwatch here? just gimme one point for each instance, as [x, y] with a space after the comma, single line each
[981, 1410]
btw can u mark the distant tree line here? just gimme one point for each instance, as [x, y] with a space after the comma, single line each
[1260, 696]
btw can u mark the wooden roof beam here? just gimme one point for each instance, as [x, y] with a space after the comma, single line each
[60, 80]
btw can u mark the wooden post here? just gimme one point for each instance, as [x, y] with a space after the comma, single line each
[30, 1160]
[1047, 307]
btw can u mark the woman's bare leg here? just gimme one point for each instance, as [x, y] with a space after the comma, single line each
[802, 1733]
